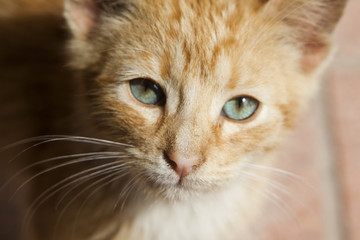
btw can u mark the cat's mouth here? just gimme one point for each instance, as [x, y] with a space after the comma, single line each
[180, 182]
[176, 187]
[174, 182]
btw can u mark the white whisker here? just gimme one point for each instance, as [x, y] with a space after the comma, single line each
[55, 159]
[56, 138]
[49, 192]
[280, 187]
[104, 169]
[80, 160]
[93, 192]
[282, 172]
[109, 175]
[277, 201]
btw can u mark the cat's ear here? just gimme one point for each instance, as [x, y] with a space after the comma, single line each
[82, 16]
[311, 23]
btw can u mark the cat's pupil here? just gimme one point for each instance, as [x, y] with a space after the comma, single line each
[241, 101]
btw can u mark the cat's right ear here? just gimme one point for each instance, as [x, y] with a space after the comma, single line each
[310, 25]
[82, 16]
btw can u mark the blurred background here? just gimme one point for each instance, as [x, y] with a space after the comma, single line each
[320, 199]
[324, 151]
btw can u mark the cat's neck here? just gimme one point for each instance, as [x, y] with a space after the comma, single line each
[221, 209]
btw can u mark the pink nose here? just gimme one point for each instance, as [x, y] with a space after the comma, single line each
[182, 165]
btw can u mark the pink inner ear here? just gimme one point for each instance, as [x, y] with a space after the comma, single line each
[310, 25]
[82, 16]
[314, 54]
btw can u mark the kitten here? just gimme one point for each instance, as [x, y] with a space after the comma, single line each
[182, 101]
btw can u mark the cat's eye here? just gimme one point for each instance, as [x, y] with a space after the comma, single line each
[240, 108]
[147, 92]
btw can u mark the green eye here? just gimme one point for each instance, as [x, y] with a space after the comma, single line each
[240, 108]
[147, 92]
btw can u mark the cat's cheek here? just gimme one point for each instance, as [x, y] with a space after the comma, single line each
[255, 134]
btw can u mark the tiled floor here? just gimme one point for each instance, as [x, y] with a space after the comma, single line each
[323, 203]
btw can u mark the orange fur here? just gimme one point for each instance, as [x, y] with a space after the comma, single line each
[202, 54]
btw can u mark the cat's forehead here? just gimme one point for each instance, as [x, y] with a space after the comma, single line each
[188, 40]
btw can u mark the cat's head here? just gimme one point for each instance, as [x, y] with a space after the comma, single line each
[199, 88]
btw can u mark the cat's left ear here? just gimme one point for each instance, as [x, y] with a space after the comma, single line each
[82, 16]
[310, 23]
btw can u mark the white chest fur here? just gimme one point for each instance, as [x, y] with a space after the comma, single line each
[221, 215]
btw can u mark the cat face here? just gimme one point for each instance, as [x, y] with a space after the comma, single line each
[200, 89]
